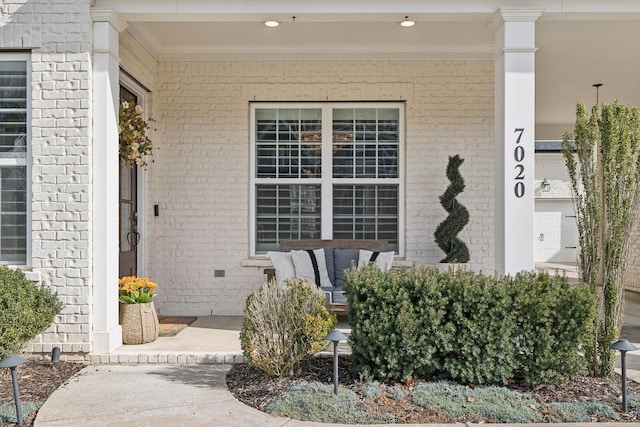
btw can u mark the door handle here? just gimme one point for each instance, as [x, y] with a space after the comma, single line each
[541, 237]
[137, 238]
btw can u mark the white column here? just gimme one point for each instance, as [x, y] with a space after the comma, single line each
[106, 332]
[514, 112]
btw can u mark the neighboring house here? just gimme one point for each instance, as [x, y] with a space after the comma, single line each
[556, 230]
[338, 123]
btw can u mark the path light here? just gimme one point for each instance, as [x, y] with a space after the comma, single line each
[623, 346]
[11, 362]
[55, 356]
[335, 337]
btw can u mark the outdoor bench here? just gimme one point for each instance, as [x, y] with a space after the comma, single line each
[309, 258]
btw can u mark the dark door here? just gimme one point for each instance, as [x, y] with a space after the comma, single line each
[129, 236]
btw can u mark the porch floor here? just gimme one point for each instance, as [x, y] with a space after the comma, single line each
[210, 339]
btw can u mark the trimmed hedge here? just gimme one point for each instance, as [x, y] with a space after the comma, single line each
[26, 309]
[466, 326]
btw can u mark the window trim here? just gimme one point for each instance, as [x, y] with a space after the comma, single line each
[27, 160]
[326, 180]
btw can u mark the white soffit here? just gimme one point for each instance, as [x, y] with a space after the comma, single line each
[315, 40]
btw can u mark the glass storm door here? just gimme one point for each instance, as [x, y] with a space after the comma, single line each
[129, 236]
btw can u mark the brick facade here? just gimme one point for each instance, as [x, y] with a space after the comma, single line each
[58, 33]
[200, 177]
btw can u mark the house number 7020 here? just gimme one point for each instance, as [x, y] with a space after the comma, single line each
[518, 155]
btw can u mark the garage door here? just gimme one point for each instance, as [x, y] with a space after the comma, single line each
[556, 237]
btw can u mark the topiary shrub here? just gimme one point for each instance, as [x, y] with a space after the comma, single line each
[26, 309]
[284, 326]
[446, 234]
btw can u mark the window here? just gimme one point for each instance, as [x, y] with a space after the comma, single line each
[14, 143]
[326, 171]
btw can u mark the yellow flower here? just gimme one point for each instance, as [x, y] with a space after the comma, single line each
[134, 290]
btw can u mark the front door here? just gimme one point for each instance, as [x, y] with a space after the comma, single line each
[129, 236]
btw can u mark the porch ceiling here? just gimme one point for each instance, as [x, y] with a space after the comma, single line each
[575, 50]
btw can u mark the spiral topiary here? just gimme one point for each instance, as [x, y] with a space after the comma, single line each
[446, 233]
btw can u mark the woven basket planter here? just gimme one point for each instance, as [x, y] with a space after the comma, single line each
[139, 323]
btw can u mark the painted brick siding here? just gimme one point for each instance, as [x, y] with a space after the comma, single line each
[58, 33]
[200, 178]
[552, 167]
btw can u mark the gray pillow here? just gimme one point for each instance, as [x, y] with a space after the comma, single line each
[328, 258]
[343, 258]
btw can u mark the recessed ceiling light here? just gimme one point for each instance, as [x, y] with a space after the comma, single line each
[407, 22]
[271, 24]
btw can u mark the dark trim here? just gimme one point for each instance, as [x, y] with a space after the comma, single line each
[548, 146]
[136, 81]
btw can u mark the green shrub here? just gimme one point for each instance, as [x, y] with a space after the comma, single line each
[466, 326]
[284, 326]
[554, 321]
[396, 321]
[26, 309]
[316, 402]
[455, 400]
[578, 412]
[480, 321]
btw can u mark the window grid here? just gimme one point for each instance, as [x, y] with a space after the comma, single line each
[370, 137]
[13, 160]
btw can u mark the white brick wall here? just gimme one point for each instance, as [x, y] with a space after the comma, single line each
[58, 32]
[200, 177]
[552, 167]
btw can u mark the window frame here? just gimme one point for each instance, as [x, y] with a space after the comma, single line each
[326, 181]
[27, 160]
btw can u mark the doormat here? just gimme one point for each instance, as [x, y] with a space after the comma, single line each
[171, 325]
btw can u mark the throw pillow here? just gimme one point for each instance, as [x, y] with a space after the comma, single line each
[283, 264]
[342, 261]
[311, 265]
[328, 257]
[384, 260]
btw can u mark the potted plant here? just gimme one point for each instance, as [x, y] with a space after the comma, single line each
[138, 315]
[446, 234]
[135, 145]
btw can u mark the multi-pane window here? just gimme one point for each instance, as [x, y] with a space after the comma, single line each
[13, 160]
[328, 171]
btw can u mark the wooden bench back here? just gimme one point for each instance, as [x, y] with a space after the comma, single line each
[335, 244]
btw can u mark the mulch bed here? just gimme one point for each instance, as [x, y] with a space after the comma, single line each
[253, 387]
[36, 381]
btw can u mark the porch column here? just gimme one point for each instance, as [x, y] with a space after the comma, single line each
[106, 332]
[514, 112]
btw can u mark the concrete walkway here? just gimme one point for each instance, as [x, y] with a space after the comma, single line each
[180, 381]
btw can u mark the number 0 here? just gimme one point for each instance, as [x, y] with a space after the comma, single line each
[519, 189]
